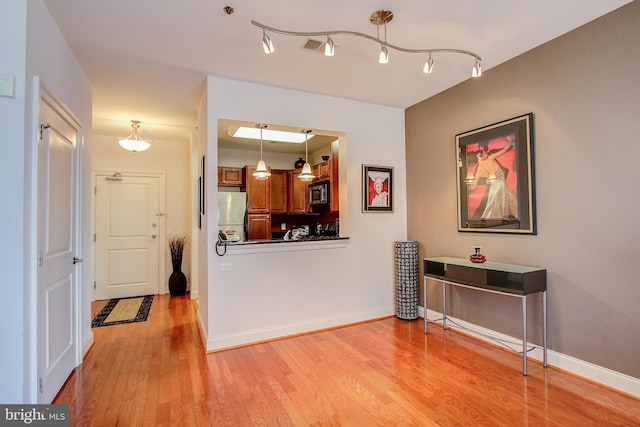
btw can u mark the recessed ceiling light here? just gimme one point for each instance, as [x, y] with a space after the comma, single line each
[269, 134]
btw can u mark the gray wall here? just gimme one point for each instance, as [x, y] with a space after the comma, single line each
[584, 90]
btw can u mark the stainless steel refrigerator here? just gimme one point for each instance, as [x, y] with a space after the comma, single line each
[232, 208]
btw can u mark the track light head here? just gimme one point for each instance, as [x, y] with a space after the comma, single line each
[329, 48]
[384, 55]
[267, 44]
[428, 66]
[477, 69]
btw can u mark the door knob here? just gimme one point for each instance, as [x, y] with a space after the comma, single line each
[77, 260]
[153, 236]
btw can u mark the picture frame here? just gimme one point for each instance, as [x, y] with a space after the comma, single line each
[201, 193]
[377, 188]
[199, 202]
[202, 189]
[495, 179]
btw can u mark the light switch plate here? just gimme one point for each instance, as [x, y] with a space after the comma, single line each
[7, 85]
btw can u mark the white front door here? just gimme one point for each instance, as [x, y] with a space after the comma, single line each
[57, 246]
[128, 232]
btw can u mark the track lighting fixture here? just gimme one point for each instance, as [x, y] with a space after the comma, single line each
[133, 142]
[378, 18]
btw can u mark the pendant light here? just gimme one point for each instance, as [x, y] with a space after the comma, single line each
[261, 172]
[133, 142]
[306, 174]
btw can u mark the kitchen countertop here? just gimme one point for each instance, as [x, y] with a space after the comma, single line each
[275, 241]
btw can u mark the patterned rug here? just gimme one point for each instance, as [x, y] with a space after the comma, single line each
[123, 310]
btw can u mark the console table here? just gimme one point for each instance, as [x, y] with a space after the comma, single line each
[506, 279]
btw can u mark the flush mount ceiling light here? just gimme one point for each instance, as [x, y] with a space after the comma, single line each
[306, 174]
[133, 142]
[269, 135]
[261, 172]
[378, 18]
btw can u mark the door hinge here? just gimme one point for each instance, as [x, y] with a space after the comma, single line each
[94, 285]
[40, 259]
[94, 237]
[40, 386]
[95, 190]
[42, 128]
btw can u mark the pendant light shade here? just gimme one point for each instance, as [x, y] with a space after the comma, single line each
[261, 172]
[133, 142]
[306, 174]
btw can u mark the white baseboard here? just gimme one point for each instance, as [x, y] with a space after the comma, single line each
[258, 335]
[202, 328]
[87, 342]
[599, 374]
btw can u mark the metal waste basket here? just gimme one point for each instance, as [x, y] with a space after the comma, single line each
[406, 257]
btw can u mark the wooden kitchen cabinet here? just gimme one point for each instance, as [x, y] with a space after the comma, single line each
[230, 177]
[298, 197]
[322, 170]
[279, 191]
[258, 227]
[258, 192]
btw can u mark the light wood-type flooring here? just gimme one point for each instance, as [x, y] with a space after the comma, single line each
[380, 373]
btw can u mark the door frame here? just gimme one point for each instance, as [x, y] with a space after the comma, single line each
[162, 223]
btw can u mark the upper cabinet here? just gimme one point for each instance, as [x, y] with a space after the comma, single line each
[279, 191]
[322, 170]
[230, 177]
[298, 202]
[258, 192]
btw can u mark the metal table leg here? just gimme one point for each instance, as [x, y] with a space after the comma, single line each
[444, 305]
[424, 290]
[524, 335]
[544, 328]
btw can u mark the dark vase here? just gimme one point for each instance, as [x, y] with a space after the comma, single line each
[299, 163]
[177, 283]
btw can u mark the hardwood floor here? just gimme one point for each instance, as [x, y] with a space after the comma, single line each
[380, 373]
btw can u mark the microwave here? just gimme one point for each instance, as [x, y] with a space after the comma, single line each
[319, 193]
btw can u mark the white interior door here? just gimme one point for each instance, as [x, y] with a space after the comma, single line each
[127, 235]
[57, 246]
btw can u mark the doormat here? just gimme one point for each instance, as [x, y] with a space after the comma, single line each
[123, 310]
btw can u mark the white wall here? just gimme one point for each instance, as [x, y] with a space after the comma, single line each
[173, 158]
[270, 294]
[50, 59]
[13, 23]
[31, 47]
[586, 153]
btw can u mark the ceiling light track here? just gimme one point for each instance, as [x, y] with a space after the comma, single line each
[380, 17]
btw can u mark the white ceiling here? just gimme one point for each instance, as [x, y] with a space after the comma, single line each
[147, 59]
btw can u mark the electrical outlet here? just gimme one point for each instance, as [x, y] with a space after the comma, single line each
[283, 226]
[226, 267]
